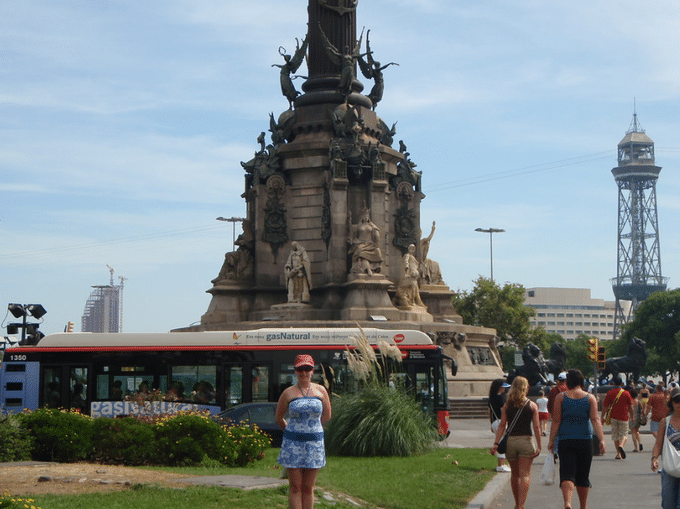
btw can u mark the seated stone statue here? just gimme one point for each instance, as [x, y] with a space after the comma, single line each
[363, 240]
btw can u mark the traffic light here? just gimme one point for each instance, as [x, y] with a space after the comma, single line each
[601, 359]
[69, 327]
[592, 349]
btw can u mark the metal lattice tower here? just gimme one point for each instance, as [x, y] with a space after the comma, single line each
[638, 272]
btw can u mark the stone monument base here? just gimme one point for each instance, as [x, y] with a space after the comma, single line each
[366, 298]
[291, 311]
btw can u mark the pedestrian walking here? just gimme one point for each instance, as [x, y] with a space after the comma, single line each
[496, 402]
[618, 406]
[575, 418]
[522, 447]
[667, 445]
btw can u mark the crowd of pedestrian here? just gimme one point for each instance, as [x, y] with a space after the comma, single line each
[576, 431]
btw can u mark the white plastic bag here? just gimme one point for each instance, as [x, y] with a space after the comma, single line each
[548, 472]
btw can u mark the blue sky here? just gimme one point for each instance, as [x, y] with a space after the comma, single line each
[122, 125]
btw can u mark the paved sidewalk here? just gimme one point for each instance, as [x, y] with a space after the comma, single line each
[628, 483]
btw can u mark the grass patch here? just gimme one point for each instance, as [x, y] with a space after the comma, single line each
[432, 480]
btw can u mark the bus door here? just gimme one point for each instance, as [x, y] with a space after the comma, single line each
[246, 382]
[66, 387]
[421, 380]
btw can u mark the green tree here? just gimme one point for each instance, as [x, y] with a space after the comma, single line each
[657, 322]
[500, 308]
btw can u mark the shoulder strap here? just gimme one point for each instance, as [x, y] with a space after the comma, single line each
[517, 416]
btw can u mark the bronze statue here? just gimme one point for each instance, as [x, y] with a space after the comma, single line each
[346, 60]
[631, 363]
[291, 66]
[371, 69]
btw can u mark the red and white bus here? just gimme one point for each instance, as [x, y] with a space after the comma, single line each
[103, 374]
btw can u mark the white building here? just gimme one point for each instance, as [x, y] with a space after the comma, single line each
[572, 311]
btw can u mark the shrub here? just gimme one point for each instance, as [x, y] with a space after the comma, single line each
[187, 439]
[59, 435]
[15, 442]
[244, 444]
[379, 421]
[124, 441]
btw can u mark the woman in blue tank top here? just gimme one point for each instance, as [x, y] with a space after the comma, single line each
[574, 419]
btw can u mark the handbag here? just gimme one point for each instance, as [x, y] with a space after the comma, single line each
[503, 444]
[642, 416]
[670, 456]
[548, 471]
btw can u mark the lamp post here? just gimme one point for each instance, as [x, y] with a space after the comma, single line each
[490, 231]
[23, 311]
[233, 221]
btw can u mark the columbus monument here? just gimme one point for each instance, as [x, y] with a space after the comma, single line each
[332, 234]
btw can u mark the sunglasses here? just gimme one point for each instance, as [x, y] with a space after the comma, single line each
[306, 369]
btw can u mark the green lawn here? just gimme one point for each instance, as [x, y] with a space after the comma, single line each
[445, 478]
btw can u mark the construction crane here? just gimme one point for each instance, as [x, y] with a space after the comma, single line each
[122, 282]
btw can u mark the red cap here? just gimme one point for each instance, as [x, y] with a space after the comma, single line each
[304, 360]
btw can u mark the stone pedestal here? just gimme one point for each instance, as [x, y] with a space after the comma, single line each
[366, 297]
[415, 314]
[289, 312]
[230, 303]
[437, 298]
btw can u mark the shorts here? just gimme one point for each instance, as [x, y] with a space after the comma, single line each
[543, 416]
[576, 456]
[654, 426]
[619, 430]
[522, 446]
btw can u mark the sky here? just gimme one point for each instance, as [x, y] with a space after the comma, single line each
[123, 123]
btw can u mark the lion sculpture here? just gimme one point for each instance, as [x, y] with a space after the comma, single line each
[535, 369]
[631, 364]
[558, 359]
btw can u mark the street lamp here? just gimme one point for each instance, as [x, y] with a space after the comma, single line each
[233, 221]
[490, 231]
[23, 311]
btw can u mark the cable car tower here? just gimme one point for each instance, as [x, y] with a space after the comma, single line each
[638, 272]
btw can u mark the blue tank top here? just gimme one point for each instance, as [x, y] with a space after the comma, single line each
[575, 419]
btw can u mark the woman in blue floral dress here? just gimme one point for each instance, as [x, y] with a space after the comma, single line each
[302, 451]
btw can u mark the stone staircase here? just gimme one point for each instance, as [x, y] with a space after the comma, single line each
[468, 408]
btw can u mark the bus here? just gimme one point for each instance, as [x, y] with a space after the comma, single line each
[107, 374]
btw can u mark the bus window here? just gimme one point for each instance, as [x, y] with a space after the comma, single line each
[78, 387]
[52, 387]
[198, 381]
[260, 382]
[424, 385]
[285, 381]
[233, 392]
[102, 387]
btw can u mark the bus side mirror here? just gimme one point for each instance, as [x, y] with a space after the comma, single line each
[454, 367]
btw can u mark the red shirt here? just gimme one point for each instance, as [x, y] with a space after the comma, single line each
[620, 409]
[560, 387]
[657, 402]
